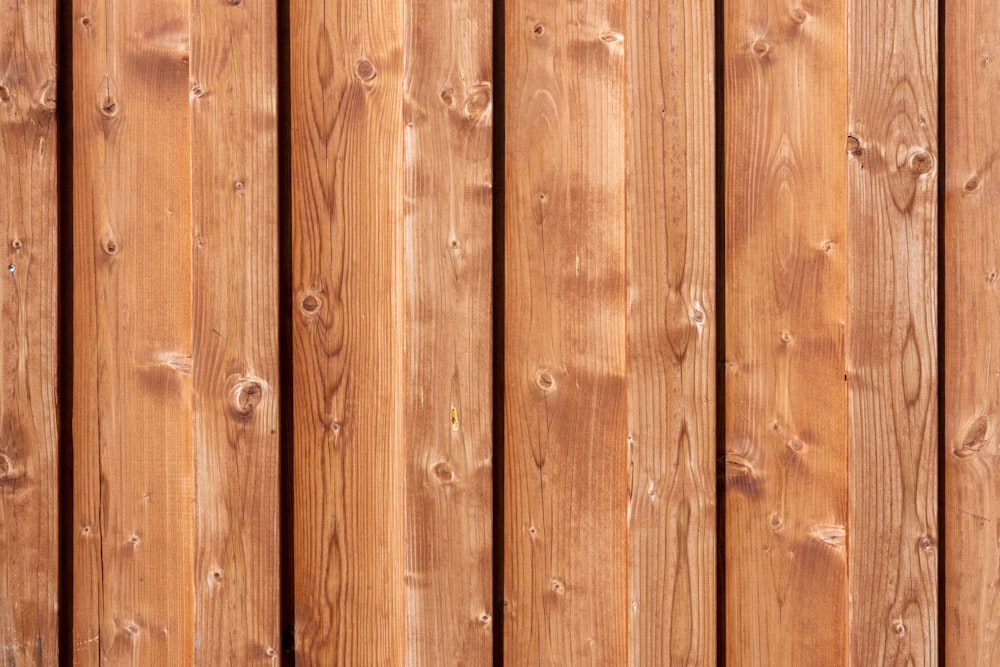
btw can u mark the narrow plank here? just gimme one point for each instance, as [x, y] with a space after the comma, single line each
[672, 333]
[132, 416]
[892, 350]
[29, 430]
[565, 454]
[786, 395]
[448, 244]
[347, 184]
[234, 207]
[971, 334]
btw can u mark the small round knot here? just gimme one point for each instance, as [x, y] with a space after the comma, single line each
[479, 100]
[826, 246]
[111, 247]
[927, 544]
[991, 277]
[197, 91]
[85, 21]
[132, 628]
[558, 587]
[760, 47]
[447, 96]
[538, 29]
[545, 381]
[238, 186]
[335, 426]
[698, 316]
[853, 145]
[365, 70]
[972, 184]
[485, 618]
[16, 244]
[795, 444]
[217, 576]
[133, 540]
[247, 395]
[4, 93]
[200, 242]
[786, 337]
[310, 304]
[920, 162]
[271, 653]
[444, 473]
[775, 426]
[775, 521]
[611, 37]
[109, 107]
[899, 628]
[799, 15]
[85, 531]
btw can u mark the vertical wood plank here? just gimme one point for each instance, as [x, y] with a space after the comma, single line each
[132, 416]
[448, 243]
[786, 403]
[892, 354]
[565, 455]
[347, 184]
[972, 333]
[672, 333]
[234, 207]
[29, 431]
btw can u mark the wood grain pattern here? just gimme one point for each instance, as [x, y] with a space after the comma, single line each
[565, 455]
[234, 207]
[786, 403]
[892, 350]
[347, 181]
[671, 333]
[448, 245]
[29, 430]
[132, 413]
[971, 264]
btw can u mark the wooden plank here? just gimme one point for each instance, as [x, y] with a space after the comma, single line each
[132, 412]
[972, 334]
[234, 207]
[786, 395]
[672, 333]
[565, 454]
[29, 430]
[347, 185]
[892, 350]
[448, 243]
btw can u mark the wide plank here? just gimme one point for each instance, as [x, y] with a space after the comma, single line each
[29, 308]
[347, 174]
[786, 458]
[565, 569]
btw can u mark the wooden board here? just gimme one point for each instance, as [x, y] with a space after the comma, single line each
[971, 265]
[347, 181]
[29, 430]
[132, 416]
[786, 390]
[448, 242]
[892, 353]
[565, 454]
[234, 208]
[671, 333]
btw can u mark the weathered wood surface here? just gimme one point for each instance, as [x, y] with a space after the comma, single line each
[347, 64]
[671, 333]
[892, 353]
[29, 430]
[234, 208]
[132, 413]
[786, 455]
[448, 117]
[565, 456]
[971, 265]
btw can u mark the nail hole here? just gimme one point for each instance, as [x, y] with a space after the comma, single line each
[16, 244]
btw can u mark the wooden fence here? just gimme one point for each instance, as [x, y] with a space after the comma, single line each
[439, 332]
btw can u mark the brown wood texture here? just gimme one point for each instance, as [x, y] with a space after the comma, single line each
[892, 350]
[971, 264]
[786, 395]
[671, 333]
[132, 412]
[234, 208]
[565, 567]
[347, 64]
[29, 431]
[448, 116]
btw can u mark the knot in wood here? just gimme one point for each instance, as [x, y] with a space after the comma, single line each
[853, 145]
[109, 107]
[972, 184]
[310, 304]
[921, 162]
[760, 47]
[16, 244]
[479, 100]
[545, 381]
[4, 93]
[365, 70]
[799, 15]
[538, 30]
[444, 473]
[247, 395]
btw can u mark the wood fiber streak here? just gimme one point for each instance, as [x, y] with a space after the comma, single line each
[447, 110]
[29, 431]
[972, 334]
[672, 331]
[234, 200]
[132, 412]
[347, 241]
[892, 351]
[566, 456]
[786, 403]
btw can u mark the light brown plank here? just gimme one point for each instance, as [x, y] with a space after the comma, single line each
[672, 333]
[347, 185]
[786, 402]
[132, 417]
[565, 454]
[448, 240]
[29, 431]
[234, 207]
[892, 353]
[972, 333]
